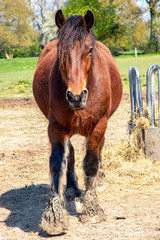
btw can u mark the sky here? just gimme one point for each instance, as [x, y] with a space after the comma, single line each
[143, 4]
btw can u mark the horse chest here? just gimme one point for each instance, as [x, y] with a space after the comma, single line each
[82, 125]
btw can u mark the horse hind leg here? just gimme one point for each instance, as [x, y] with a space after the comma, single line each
[71, 191]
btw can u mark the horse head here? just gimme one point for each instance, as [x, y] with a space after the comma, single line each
[75, 54]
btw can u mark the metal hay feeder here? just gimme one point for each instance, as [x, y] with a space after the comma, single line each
[152, 134]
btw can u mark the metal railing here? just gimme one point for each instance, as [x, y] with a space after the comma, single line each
[151, 90]
[136, 94]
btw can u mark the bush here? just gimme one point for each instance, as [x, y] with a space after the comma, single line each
[2, 53]
[151, 47]
[31, 51]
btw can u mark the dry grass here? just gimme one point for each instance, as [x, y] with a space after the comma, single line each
[26, 160]
[125, 162]
[130, 189]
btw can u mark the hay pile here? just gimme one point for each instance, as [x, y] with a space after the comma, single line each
[125, 163]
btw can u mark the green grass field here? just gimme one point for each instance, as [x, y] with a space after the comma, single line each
[141, 62]
[16, 74]
[16, 77]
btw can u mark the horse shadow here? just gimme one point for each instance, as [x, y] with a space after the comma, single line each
[26, 207]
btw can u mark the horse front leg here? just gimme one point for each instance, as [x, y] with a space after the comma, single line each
[101, 173]
[91, 209]
[55, 219]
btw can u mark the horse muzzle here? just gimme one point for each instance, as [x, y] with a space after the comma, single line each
[77, 102]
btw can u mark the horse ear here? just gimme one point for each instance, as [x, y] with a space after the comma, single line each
[88, 19]
[60, 19]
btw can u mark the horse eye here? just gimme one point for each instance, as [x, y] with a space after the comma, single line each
[90, 51]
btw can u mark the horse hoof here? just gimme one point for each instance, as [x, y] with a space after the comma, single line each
[91, 218]
[55, 219]
[91, 212]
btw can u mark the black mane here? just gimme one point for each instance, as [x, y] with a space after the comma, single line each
[71, 31]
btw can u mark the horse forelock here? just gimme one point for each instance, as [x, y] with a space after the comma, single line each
[71, 31]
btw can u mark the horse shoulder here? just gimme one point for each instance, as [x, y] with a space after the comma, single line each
[49, 47]
[103, 49]
[101, 82]
[113, 74]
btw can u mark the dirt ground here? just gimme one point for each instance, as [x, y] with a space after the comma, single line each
[132, 212]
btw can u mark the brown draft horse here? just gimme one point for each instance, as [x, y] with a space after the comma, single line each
[77, 87]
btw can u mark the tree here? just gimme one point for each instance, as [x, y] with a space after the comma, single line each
[118, 24]
[15, 26]
[49, 28]
[43, 11]
[106, 27]
[130, 15]
[154, 8]
[39, 8]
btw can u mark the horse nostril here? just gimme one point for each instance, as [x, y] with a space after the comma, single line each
[84, 94]
[70, 96]
[85, 91]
